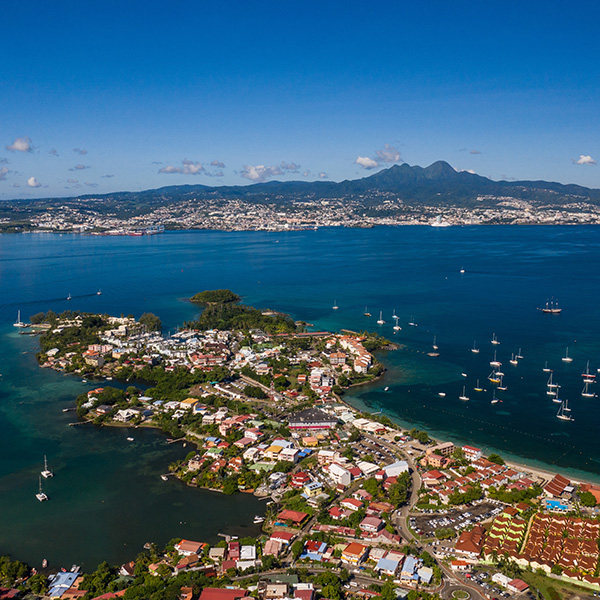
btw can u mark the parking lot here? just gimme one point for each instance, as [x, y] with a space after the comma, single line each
[426, 524]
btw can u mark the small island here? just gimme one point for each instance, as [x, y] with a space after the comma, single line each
[215, 297]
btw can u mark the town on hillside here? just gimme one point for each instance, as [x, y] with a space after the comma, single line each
[355, 506]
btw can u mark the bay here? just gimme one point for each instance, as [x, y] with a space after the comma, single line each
[107, 498]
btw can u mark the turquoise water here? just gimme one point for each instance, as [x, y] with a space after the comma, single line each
[107, 498]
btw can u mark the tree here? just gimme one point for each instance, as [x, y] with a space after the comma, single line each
[297, 548]
[38, 584]
[253, 391]
[230, 486]
[587, 499]
[151, 322]
[496, 458]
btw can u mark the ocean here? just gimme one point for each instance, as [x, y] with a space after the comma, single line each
[107, 498]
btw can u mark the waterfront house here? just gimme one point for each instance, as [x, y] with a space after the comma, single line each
[283, 537]
[188, 547]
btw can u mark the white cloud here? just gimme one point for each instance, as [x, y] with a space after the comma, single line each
[260, 172]
[475, 151]
[72, 181]
[217, 163]
[79, 151]
[3, 173]
[366, 163]
[106, 176]
[33, 182]
[79, 167]
[306, 173]
[21, 144]
[54, 152]
[389, 154]
[189, 168]
[292, 167]
[323, 175]
[585, 159]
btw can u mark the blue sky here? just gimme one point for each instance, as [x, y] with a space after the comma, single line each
[106, 96]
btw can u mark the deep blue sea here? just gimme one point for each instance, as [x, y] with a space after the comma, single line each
[107, 498]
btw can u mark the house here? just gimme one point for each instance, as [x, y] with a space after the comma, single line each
[127, 569]
[222, 594]
[272, 547]
[557, 486]
[351, 504]
[371, 525]
[459, 565]
[296, 517]
[340, 475]
[432, 478]
[187, 547]
[386, 566]
[472, 453]
[517, 586]
[355, 553]
[283, 537]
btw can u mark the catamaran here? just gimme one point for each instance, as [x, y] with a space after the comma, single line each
[46, 472]
[40, 495]
[495, 339]
[475, 349]
[566, 358]
[464, 394]
[396, 327]
[380, 321]
[564, 408]
[18, 322]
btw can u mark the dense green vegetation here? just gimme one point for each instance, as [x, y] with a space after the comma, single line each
[151, 322]
[240, 317]
[215, 297]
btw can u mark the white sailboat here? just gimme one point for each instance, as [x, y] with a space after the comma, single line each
[475, 349]
[396, 327]
[587, 375]
[586, 392]
[462, 270]
[40, 495]
[434, 345]
[412, 322]
[367, 313]
[46, 472]
[494, 399]
[380, 321]
[495, 362]
[546, 368]
[69, 296]
[335, 306]
[99, 293]
[566, 358]
[550, 383]
[494, 377]
[501, 386]
[564, 408]
[513, 360]
[495, 339]
[464, 394]
[518, 355]
[18, 322]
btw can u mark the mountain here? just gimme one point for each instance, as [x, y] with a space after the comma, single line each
[439, 185]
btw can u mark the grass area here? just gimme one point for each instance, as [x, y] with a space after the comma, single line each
[461, 595]
[553, 589]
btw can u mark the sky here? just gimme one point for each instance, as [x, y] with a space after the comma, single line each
[109, 96]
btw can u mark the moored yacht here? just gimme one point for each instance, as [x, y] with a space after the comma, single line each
[586, 392]
[563, 410]
[380, 321]
[495, 362]
[477, 387]
[46, 472]
[464, 394]
[475, 349]
[495, 339]
[40, 495]
[566, 358]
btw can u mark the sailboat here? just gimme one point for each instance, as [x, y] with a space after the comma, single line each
[500, 385]
[396, 327]
[478, 388]
[557, 399]
[462, 270]
[69, 296]
[46, 472]
[546, 369]
[18, 322]
[564, 408]
[566, 358]
[40, 495]
[550, 384]
[587, 375]
[335, 306]
[551, 308]
[518, 355]
[434, 342]
[495, 339]
[495, 362]
[494, 399]
[513, 360]
[99, 293]
[366, 313]
[586, 392]
[380, 321]
[412, 322]
[494, 377]
[475, 349]
[464, 394]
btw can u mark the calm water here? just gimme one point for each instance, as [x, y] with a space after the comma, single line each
[107, 498]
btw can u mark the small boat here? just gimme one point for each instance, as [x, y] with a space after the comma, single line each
[69, 296]
[550, 383]
[546, 369]
[495, 362]
[434, 345]
[478, 388]
[462, 270]
[46, 472]
[40, 495]
[518, 355]
[44, 564]
[566, 358]
[335, 306]
[18, 322]
[130, 439]
[475, 349]
[433, 354]
[442, 394]
[258, 519]
[464, 394]
[164, 477]
[513, 360]
[386, 388]
[494, 399]
[464, 374]
[557, 400]
[501, 386]
[366, 313]
[412, 322]
[586, 392]
[564, 408]
[587, 374]
[99, 293]
[380, 321]
[495, 339]
[494, 377]
[84, 381]
[396, 327]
